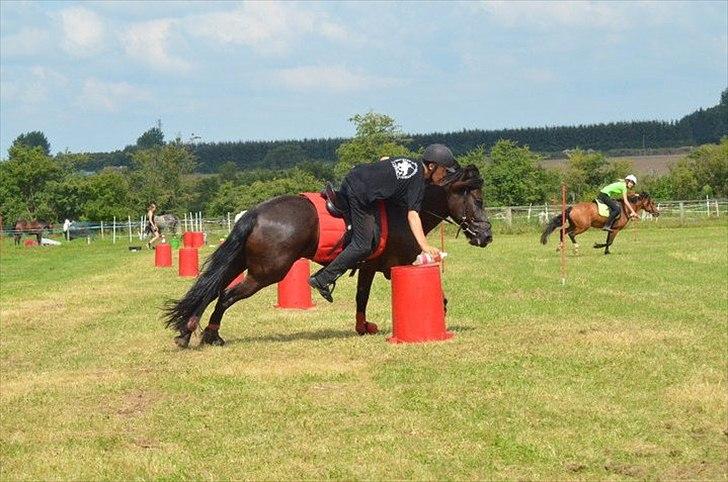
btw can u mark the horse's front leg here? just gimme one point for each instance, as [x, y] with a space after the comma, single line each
[363, 288]
[610, 240]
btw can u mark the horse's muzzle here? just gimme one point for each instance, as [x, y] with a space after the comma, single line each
[481, 235]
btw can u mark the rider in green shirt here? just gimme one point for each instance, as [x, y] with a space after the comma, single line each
[617, 190]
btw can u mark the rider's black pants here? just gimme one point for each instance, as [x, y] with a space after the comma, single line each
[363, 228]
[614, 208]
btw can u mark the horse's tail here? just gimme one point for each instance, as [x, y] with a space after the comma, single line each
[553, 225]
[227, 261]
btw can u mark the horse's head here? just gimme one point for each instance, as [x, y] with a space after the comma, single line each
[645, 202]
[465, 204]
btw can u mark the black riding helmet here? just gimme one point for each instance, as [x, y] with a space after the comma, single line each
[441, 155]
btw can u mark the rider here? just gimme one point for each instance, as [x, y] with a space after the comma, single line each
[617, 190]
[152, 224]
[400, 180]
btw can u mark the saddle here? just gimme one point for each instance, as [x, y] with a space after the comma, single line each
[602, 209]
[335, 225]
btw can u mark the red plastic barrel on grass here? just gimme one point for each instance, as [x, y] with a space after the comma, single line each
[418, 312]
[189, 262]
[163, 255]
[294, 291]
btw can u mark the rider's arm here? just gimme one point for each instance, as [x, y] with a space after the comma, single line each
[415, 224]
[626, 203]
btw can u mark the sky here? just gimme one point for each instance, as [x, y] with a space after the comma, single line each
[93, 76]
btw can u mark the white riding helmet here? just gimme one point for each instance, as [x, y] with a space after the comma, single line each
[631, 178]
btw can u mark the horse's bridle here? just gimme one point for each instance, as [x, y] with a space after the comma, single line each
[465, 224]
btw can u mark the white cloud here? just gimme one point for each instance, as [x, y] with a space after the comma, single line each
[83, 31]
[27, 41]
[30, 86]
[268, 27]
[337, 79]
[564, 13]
[110, 96]
[149, 42]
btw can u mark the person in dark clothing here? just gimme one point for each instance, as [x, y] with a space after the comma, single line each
[398, 179]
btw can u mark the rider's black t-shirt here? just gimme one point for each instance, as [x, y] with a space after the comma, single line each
[396, 179]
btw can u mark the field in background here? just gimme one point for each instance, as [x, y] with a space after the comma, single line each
[654, 164]
[619, 374]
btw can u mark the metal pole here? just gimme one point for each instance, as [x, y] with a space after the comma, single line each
[442, 245]
[563, 233]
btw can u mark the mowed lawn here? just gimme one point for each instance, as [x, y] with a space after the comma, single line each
[619, 374]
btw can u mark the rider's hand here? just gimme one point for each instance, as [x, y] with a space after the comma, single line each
[432, 251]
[633, 216]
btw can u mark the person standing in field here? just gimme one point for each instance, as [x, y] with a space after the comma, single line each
[152, 224]
[617, 190]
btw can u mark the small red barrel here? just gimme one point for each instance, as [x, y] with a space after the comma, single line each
[163, 255]
[188, 239]
[28, 243]
[188, 262]
[418, 312]
[238, 279]
[294, 290]
[198, 239]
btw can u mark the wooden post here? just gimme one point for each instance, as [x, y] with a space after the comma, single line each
[707, 205]
[102, 230]
[529, 212]
[717, 212]
[186, 222]
[229, 225]
[129, 222]
[563, 234]
[113, 232]
[682, 211]
[509, 216]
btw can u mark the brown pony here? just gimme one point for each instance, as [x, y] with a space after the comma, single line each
[585, 215]
[30, 228]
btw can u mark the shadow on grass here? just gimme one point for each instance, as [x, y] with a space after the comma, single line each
[300, 335]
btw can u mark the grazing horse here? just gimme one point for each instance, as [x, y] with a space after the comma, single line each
[30, 228]
[583, 216]
[270, 237]
[164, 222]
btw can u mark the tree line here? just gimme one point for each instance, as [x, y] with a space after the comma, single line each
[36, 185]
[701, 127]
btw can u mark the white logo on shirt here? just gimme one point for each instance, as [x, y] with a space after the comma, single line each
[404, 168]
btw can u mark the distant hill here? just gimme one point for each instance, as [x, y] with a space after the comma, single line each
[700, 127]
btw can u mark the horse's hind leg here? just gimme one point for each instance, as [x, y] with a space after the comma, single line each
[363, 287]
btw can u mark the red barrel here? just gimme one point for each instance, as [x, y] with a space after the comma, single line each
[294, 290]
[198, 239]
[238, 279]
[163, 255]
[188, 239]
[418, 313]
[188, 262]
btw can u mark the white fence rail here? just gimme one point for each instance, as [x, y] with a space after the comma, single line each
[133, 228]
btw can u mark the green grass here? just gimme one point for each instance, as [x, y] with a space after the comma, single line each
[619, 374]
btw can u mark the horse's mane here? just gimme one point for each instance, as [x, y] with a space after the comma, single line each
[469, 176]
[636, 197]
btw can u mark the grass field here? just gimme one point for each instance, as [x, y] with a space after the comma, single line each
[620, 374]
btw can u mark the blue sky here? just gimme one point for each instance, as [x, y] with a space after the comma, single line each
[94, 76]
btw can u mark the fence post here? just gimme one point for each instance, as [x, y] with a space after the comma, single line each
[113, 231]
[707, 205]
[128, 218]
[529, 212]
[717, 212]
[509, 216]
[682, 212]
[229, 225]
[102, 230]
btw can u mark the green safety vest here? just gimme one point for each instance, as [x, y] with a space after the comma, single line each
[616, 189]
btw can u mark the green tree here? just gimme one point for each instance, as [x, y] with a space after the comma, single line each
[24, 180]
[515, 177]
[33, 139]
[377, 135]
[284, 155]
[154, 137]
[159, 175]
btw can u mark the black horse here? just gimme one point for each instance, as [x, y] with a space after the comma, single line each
[269, 238]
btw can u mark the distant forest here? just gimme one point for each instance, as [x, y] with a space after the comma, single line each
[701, 127]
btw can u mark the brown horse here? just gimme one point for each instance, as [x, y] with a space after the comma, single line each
[270, 237]
[585, 215]
[30, 228]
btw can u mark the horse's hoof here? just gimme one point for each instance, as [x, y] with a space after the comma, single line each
[183, 340]
[212, 337]
[366, 328]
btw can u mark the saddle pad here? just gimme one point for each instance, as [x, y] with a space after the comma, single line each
[602, 208]
[332, 230]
